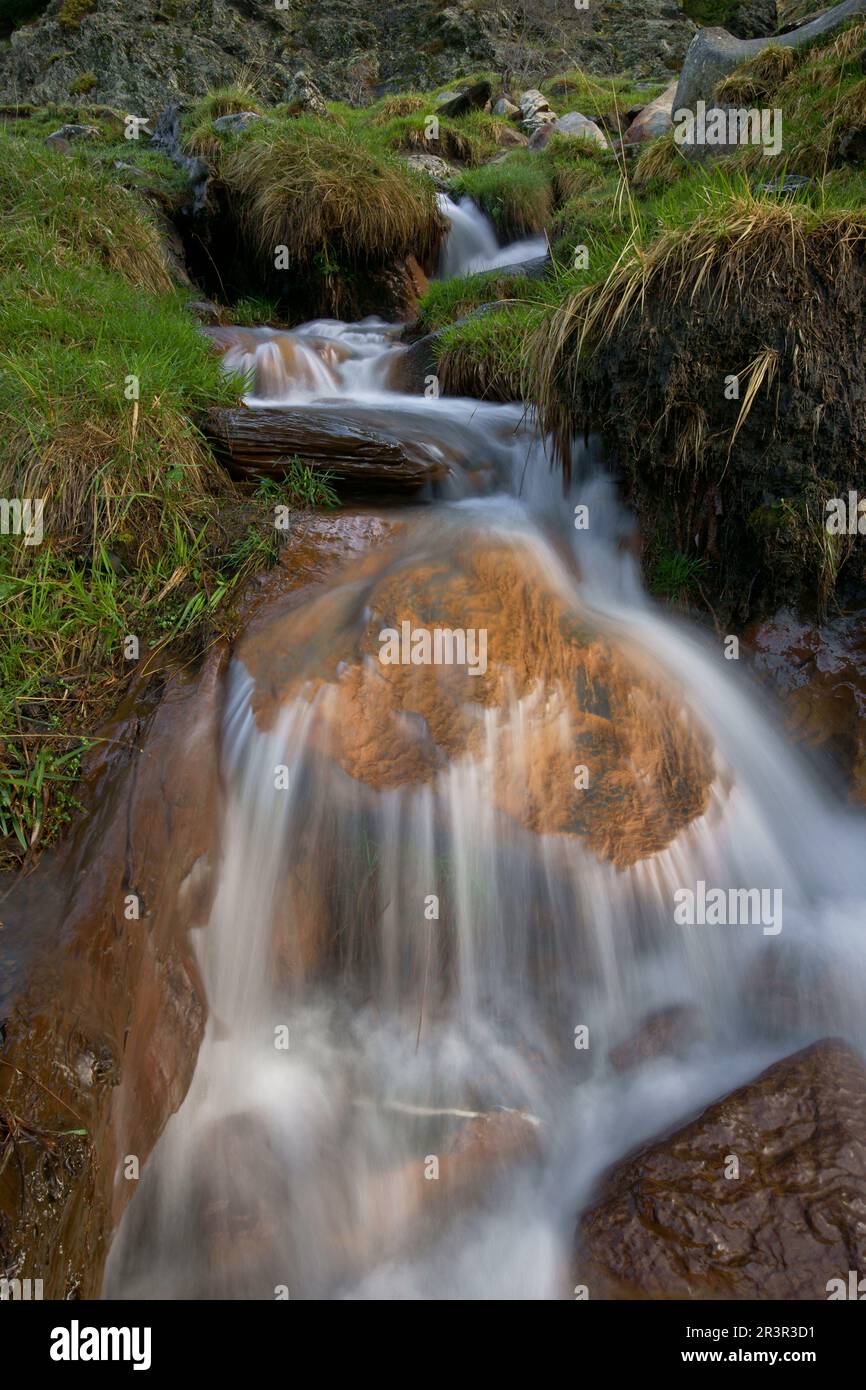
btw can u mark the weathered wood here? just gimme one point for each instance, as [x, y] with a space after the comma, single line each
[263, 443]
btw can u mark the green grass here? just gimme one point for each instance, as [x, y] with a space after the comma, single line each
[301, 486]
[576, 90]
[144, 534]
[517, 194]
[676, 577]
[449, 300]
[312, 185]
[484, 356]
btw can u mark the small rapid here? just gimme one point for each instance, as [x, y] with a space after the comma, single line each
[472, 246]
[415, 916]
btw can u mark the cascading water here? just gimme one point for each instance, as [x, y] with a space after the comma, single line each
[472, 245]
[414, 914]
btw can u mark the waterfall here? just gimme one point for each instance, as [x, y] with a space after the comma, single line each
[472, 245]
[415, 917]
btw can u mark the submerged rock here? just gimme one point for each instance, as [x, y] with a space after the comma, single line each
[667, 1031]
[763, 1196]
[392, 724]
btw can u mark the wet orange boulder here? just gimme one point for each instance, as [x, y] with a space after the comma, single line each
[763, 1196]
[451, 647]
[102, 1009]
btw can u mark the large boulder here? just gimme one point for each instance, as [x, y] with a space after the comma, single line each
[654, 120]
[674, 1221]
[574, 126]
[713, 53]
[390, 724]
[475, 98]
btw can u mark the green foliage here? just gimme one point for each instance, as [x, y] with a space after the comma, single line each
[676, 577]
[141, 525]
[85, 82]
[516, 193]
[302, 486]
[73, 11]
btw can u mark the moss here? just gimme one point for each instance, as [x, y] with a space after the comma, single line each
[73, 11]
[82, 84]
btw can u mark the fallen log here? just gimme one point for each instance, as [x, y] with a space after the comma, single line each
[341, 441]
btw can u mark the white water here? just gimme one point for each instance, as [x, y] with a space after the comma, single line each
[301, 1167]
[472, 245]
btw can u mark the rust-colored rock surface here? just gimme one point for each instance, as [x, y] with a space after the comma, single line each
[668, 1223]
[558, 693]
[102, 1010]
[820, 673]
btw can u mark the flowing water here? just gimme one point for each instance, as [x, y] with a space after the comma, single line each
[414, 915]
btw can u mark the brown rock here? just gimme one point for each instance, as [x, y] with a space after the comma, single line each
[105, 1013]
[664, 1032]
[344, 442]
[649, 766]
[668, 1223]
[653, 120]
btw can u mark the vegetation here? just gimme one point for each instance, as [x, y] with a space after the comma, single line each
[73, 11]
[102, 372]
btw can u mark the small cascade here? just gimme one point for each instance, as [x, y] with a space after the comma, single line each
[437, 871]
[472, 246]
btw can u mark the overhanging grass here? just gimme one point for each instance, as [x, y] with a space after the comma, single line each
[484, 355]
[516, 193]
[311, 185]
[449, 300]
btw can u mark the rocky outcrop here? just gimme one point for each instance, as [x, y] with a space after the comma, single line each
[136, 56]
[303, 97]
[763, 1196]
[714, 53]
